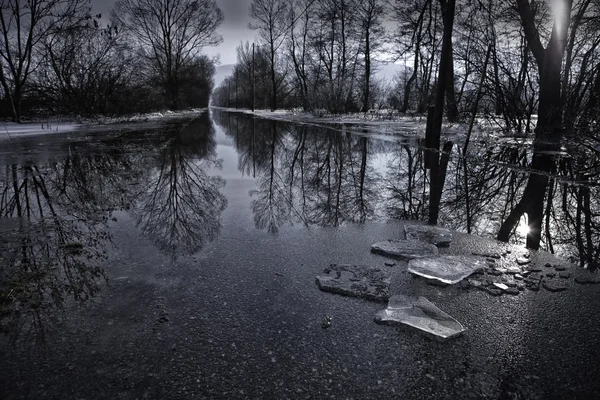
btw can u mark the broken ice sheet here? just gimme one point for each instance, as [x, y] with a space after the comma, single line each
[421, 314]
[406, 249]
[356, 280]
[447, 269]
[429, 234]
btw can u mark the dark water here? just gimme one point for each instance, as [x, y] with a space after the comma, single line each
[61, 195]
[330, 177]
[206, 235]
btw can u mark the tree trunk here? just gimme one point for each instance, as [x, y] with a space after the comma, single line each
[448, 7]
[366, 98]
[451, 106]
[548, 131]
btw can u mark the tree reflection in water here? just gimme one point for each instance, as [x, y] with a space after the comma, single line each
[53, 221]
[55, 215]
[325, 177]
[181, 208]
[304, 174]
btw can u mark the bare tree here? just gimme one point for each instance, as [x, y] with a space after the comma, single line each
[171, 34]
[23, 28]
[271, 23]
[86, 70]
[549, 128]
[370, 14]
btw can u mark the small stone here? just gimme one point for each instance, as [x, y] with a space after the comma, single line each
[519, 277]
[435, 282]
[513, 270]
[475, 283]
[511, 284]
[554, 286]
[560, 267]
[326, 322]
[389, 263]
[534, 287]
[494, 291]
[523, 260]
[551, 274]
[533, 268]
[486, 255]
[587, 280]
[512, 291]
[465, 284]
[548, 265]
[564, 275]
[526, 254]
[500, 286]
[520, 287]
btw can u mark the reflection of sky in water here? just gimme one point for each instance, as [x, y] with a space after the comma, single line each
[497, 171]
[165, 186]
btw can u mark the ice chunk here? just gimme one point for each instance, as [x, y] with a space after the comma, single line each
[356, 280]
[447, 269]
[406, 249]
[523, 260]
[421, 314]
[430, 234]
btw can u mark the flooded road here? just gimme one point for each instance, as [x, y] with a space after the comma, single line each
[179, 262]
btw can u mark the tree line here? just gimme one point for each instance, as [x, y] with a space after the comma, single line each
[314, 175]
[509, 60]
[57, 57]
[322, 54]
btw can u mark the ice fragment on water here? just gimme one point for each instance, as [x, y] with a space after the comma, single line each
[355, 280]
[420, 313]
[430, 234]
[405, 249]
[447, 269]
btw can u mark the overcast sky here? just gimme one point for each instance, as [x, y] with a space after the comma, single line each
[234, 28]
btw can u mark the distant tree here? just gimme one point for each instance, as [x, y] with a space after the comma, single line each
[271, 24]
[197, 82]
[23, 27]
[171, 34]
[370, 14]
[299, 48]
[86, 70]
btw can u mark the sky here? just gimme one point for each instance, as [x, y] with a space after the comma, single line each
[234, 28]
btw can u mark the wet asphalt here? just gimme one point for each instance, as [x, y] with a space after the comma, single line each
[243, 320]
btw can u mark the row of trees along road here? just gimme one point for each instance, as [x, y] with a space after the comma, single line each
[322, 54]
[57, 57]
[507, 60]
